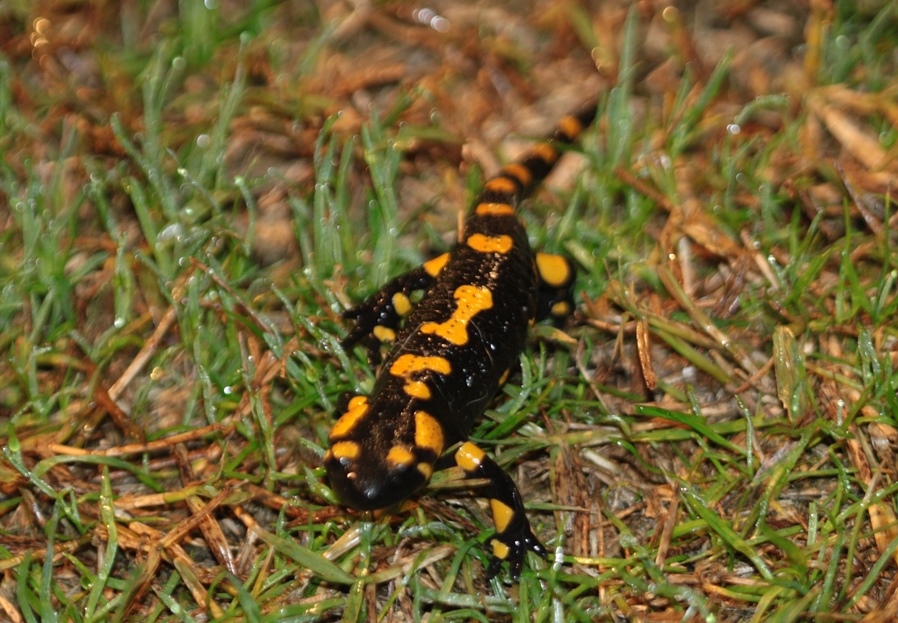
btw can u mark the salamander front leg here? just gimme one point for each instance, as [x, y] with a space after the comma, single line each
[513, 533]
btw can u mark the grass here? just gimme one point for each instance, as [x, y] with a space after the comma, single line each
[711, 438]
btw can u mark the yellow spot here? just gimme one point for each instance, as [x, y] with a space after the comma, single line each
[570, 126]
[500, 549]
[426, 469]
[356, 411]
[384, 334]
[428, 432]
[408, 364]
[560, 309]
[553, 269]
[400, 456]
[346, 450]
[469, 456]
[519, 172]
[546, 152]
[490, 244]
[471, 301]
[501, 185]
[434, 266]
[494, 209]
[417, 389]
[502, 514]
[504, 376]
[401, 304]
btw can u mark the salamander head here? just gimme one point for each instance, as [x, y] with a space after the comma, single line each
[374, 462]
[372, 482]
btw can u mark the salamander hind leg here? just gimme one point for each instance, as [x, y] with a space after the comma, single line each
[513, 537]
[377, 318]
[556, 287]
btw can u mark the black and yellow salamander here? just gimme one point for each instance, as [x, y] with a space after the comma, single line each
[451, 354]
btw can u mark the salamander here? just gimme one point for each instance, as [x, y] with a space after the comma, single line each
[451, 352]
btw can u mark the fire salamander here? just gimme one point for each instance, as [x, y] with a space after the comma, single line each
[454, 350]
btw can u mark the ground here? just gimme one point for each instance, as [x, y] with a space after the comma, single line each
[192, 193]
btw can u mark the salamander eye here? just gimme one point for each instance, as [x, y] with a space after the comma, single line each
[345, 452]
[400, 458]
